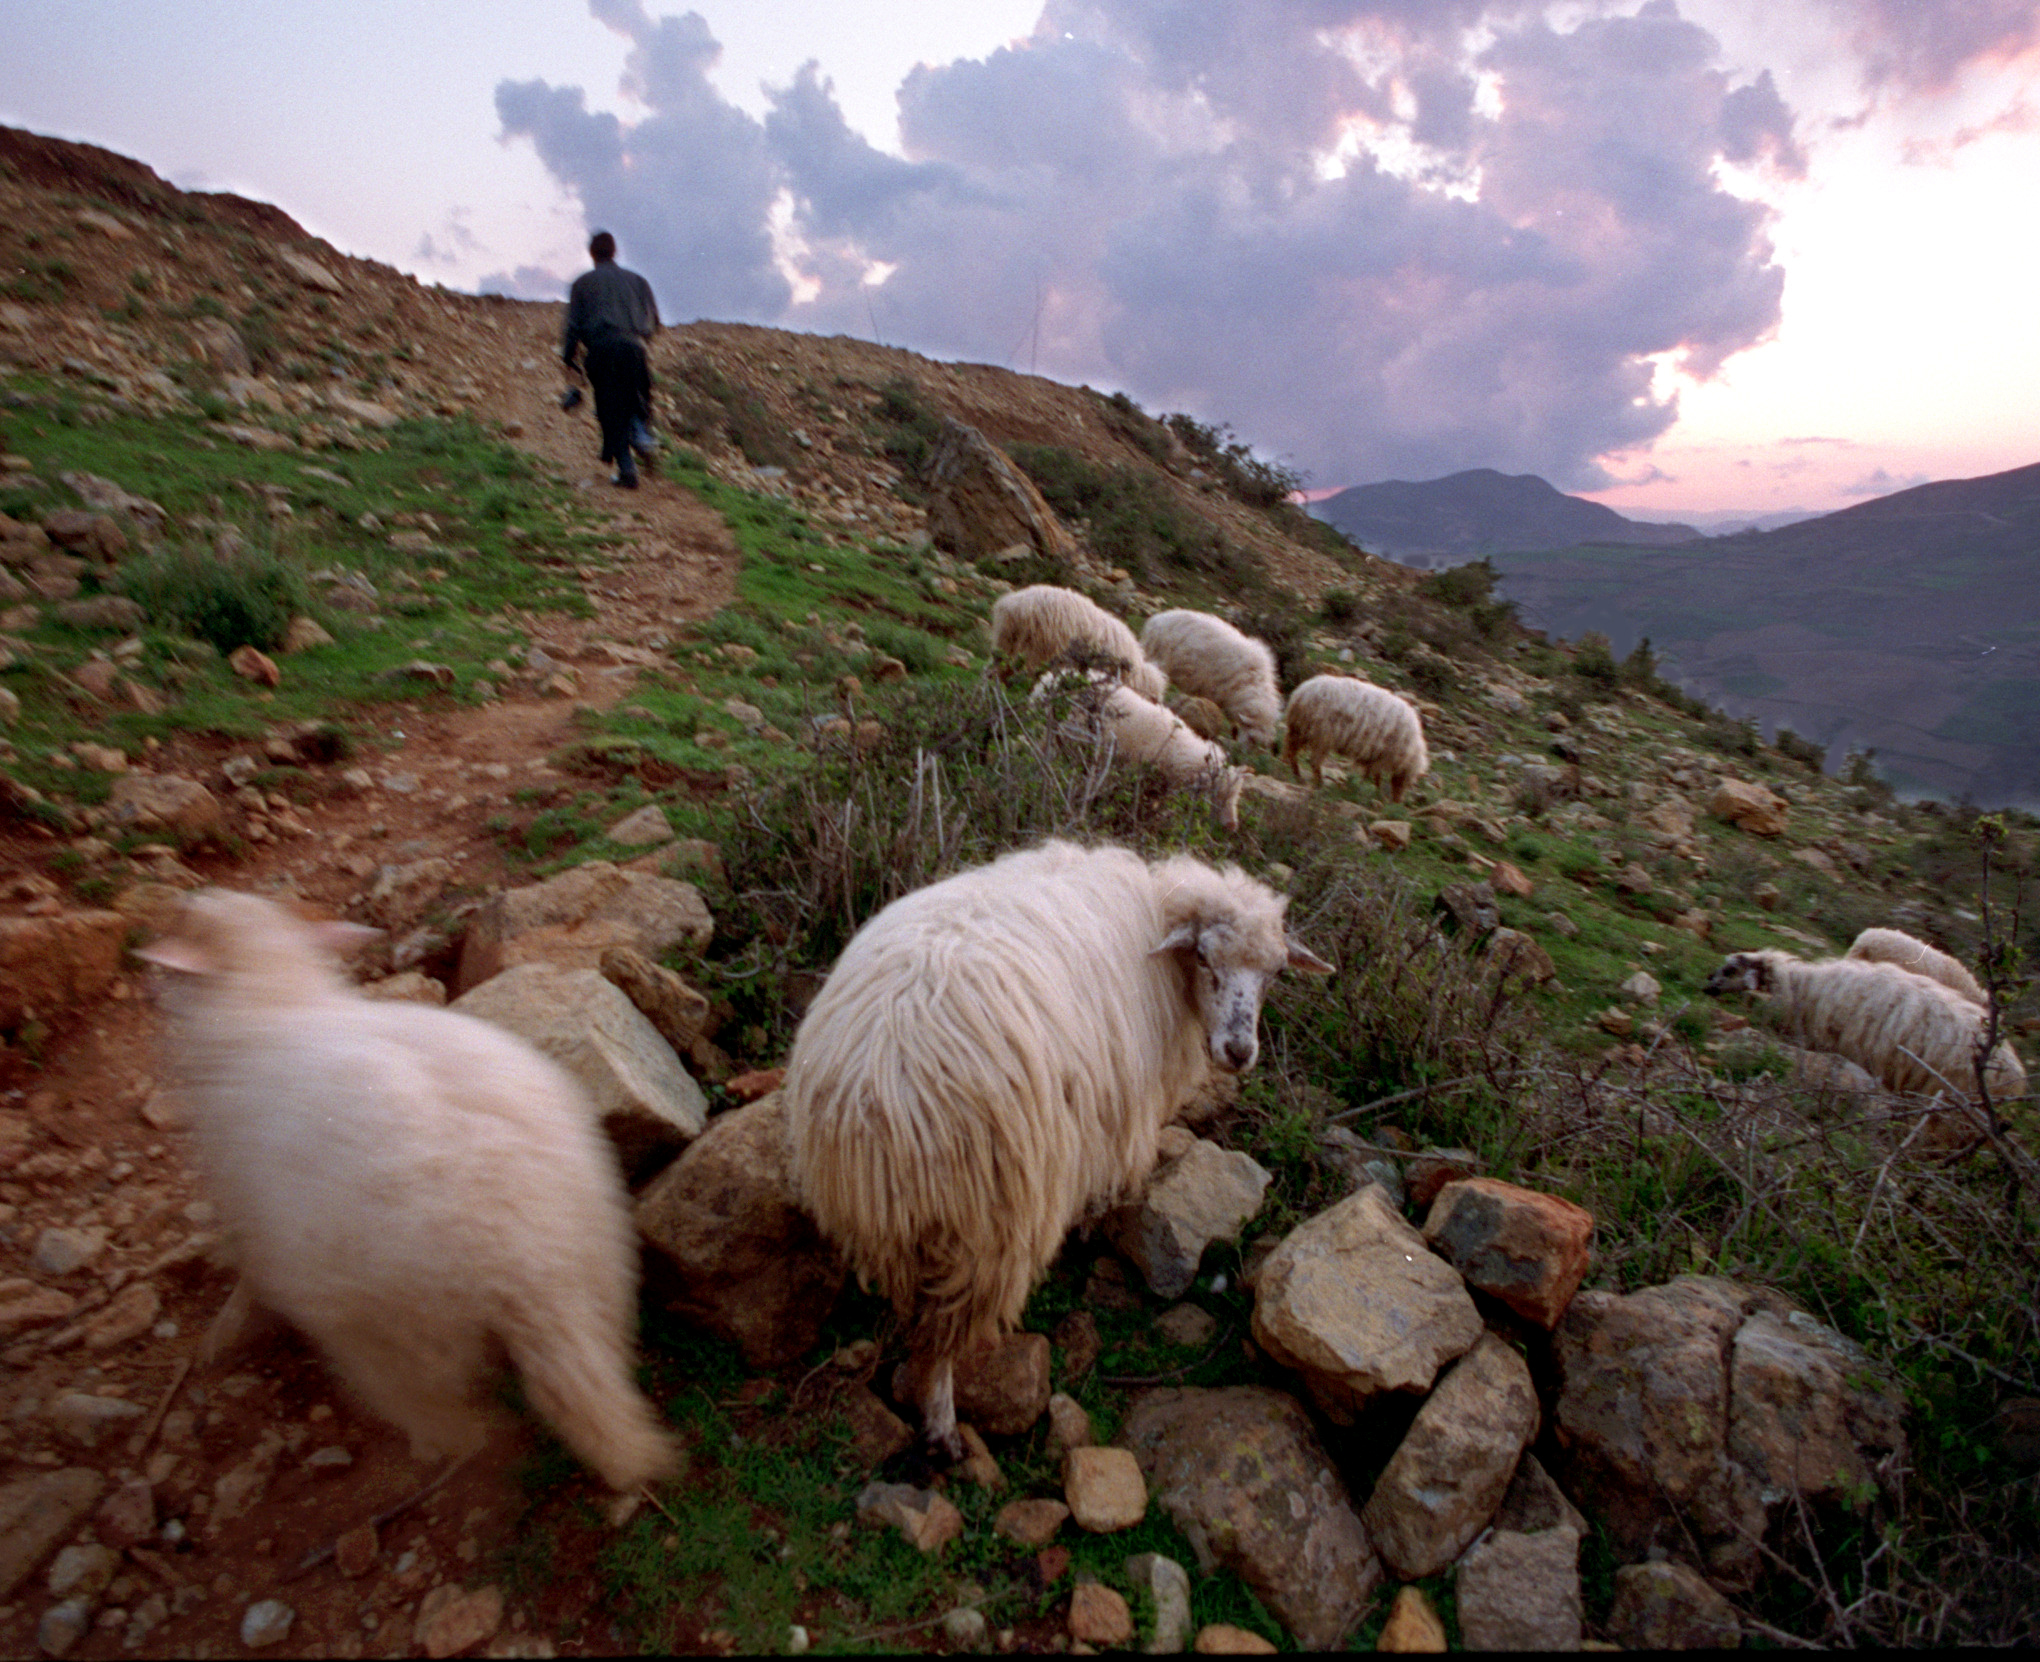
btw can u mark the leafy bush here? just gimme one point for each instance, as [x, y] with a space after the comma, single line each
[1804, 751]
[1595, 667]
[1339, 606]
[246, 600]
[1257, 483]
[1133, 520]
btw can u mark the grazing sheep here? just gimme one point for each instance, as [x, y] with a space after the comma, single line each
[1037, 625]
[1895, 946]
[995, 1055]
[407, 1185]
[1207, 656]
[1147, 734]
[1912, 1033]
[1370, 725]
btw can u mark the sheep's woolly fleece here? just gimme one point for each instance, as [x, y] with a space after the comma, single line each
[1208, 658]
[1895, 946]
[1038, 624]
[1147, 734]
[1912, 1033]
[995, 1055]
[1377, 730]
[405, 1184]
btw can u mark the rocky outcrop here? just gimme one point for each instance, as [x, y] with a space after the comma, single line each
[979, 503]
[1687, 1411]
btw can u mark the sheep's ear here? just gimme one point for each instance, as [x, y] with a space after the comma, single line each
[341, 938]
[176, 952]
[1302, 958]
[1183, 935]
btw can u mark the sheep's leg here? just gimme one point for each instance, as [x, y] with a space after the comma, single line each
[240, 1323]
[419, 1382]
[938, 1413]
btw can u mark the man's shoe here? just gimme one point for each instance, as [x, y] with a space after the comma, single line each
[642, 441]
[625, 481]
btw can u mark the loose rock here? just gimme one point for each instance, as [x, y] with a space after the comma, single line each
[1529, 1250]
[1667, 1606]
[1104, 1488]
[1413, 1627]
[1521, 1592]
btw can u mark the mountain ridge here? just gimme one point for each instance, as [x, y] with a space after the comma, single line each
[1479, 512]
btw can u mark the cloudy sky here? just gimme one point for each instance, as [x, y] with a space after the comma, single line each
[1683, 254]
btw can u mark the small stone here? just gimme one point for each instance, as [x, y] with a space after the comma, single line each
[964, 1628]
[1641, 988]
[1509, 879]
[1099, 1616]
[1521, 1592]
[330, 1459]
[977, 1465]
[62, 1251]
[62, 1626]
[1030, 1523]
[83, 1572]
[1167, 1585]
[1618, 1022]
[1391, 834]
[1105, 1489]
[643, 829]
[132, 1312]
[1223, 1639]
[259, 667]
[1076, 1336]
[354, 1554]
[451, 1619]
[1186, 1325]
[1412, 1625]
[84, 1418]
[127, 1517]
[1068, 1425]
[266, 1623]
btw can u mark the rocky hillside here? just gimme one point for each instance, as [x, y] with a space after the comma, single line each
[309, 587]
[1899, 625]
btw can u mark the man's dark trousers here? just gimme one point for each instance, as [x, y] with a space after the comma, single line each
[620, 376]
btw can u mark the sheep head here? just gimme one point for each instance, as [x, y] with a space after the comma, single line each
[1742, 972]
[1229, 933]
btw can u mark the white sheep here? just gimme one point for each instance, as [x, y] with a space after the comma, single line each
[1910, 1032]
[1208, 657]
[1375, 728]
[1895, 946]
[1149, 735]
[994, 1056]
[407, 1185]
[1038, 624]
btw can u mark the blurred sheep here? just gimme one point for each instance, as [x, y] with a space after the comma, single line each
[1038, 624]
[1374, 728]
[1208, 657]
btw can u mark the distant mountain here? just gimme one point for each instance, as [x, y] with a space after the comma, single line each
[1467, 515]
[1726, 522]
[1910, 622]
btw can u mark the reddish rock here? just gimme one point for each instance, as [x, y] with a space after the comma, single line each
[1509, 879]
[1527, 1249]
[1099, 1616]
[451, 1619]
[876, 1432]
[354, 1554]
[748, 1087]
[1003, 1390]
[1431, 1169]
[127, 1517]
[1030, 1523]
[1223, 1639]
[90, 536]
[1076, 1336]
[254, 665]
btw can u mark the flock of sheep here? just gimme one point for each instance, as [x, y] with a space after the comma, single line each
[991, 1060]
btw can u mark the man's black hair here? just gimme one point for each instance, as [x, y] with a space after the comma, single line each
[602, 246]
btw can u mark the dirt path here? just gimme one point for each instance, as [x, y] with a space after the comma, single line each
[264, 1461]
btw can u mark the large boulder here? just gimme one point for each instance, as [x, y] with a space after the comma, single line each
[1356, 1303]
[1205, 1194]
[648, 1104]
[50, 964]
[1448, 1476]
[980, 503]
[1687, 1412]
[572, 919]
[748, 1264]
[1243, 1476]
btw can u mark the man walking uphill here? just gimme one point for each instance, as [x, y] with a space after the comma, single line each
[611, 312]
